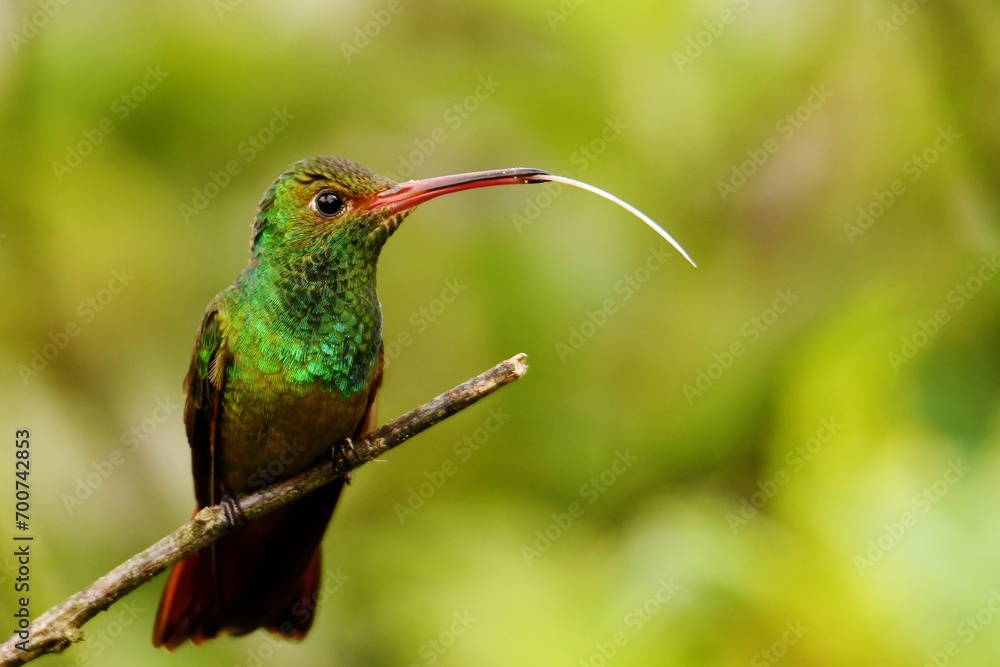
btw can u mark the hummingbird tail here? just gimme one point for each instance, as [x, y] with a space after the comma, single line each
[187, 579]
[266, 574]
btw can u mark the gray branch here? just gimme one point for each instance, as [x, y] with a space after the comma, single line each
[59, 627]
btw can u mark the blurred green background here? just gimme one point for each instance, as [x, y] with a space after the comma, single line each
[787, 455]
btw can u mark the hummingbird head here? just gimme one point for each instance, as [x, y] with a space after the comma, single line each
[330, 198]
[316, 199]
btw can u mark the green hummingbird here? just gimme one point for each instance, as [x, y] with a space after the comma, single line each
[286, 368]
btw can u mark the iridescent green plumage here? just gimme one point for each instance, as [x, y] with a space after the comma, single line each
[306, 304]
[300, 329]
[287, 365]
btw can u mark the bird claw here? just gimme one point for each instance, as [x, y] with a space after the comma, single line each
[340, 453]
[232, 511]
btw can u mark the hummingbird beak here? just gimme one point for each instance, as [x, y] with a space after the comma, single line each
[405, 196]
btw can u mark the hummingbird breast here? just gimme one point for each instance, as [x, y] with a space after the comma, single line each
[303, 361]
[272, 434]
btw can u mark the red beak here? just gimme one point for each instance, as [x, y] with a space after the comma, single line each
[404, 196]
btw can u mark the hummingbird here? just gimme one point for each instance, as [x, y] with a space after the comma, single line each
[286, 369]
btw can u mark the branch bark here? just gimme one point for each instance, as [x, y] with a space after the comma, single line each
[59, 627]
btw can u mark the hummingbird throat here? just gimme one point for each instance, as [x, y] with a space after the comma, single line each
[321, 318]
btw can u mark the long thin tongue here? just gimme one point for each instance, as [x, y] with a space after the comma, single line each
[405, 196]
[652, 224]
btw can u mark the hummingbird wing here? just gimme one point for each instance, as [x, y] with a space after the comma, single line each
[204, 385]
[190, 599]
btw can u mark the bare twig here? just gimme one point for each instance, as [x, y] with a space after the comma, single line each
[59, 627]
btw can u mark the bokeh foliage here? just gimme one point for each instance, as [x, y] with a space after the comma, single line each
[852, 453]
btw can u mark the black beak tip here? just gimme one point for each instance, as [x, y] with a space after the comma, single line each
[530, 174]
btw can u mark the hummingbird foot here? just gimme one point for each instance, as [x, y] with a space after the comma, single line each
[340, 453]
[232, 511]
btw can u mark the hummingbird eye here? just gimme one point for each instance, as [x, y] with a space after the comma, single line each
[328, 203]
